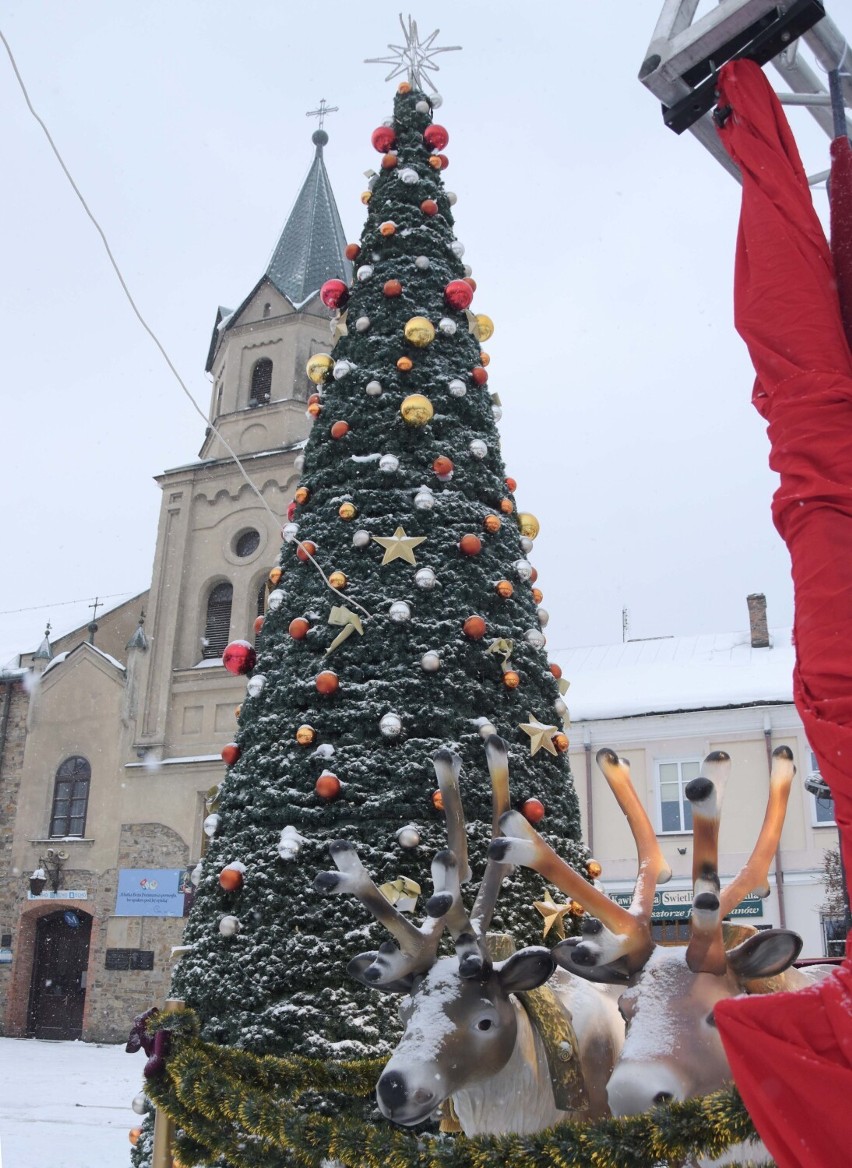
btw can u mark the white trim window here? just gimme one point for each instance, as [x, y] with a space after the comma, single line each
[674, 811]
[822, 805]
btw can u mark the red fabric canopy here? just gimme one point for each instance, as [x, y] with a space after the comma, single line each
[791, 1054]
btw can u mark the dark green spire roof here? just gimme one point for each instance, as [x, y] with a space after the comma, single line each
[310, 250]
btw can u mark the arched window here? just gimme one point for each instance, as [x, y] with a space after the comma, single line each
[70, 797]
[261, 599]
[261, 382]
[218, 624]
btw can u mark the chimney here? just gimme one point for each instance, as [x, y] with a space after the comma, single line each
[757, 620]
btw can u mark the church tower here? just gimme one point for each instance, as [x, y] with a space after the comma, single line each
[216, 541]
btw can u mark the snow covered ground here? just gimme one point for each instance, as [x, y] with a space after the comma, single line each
[66, 1104]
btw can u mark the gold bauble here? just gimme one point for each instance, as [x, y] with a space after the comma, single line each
[483, 328]
[529, 525]
[318, 366]
[593, 868]
[347, 510]
[419, 331]
[366, 196]
[305, 735]
[337, 579]
[416, 409]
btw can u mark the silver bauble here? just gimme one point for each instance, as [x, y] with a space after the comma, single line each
[361, 538]
[431, 661]
[391, 725]
[229, 926]
[399, 611]
[409, 176]
[424, 500]
[341, 368]
[452, 198]
[534, 637]
[543, 616]
[140, 1103]
[526, 544]
[389, 463]
[422, 263]
[299, 463]
[478, 448]
[373, 388]
[408, 836]
[364, 272]
[523, 569]
[275, 600]
[457, 248]
[362, 324]
[425, 578]
[289, 531]
[457, 387]
[447, 326]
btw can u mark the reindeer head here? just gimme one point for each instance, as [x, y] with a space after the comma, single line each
[672, 1050]
[461, 1024]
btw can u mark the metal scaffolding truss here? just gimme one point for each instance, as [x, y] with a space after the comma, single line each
[685, 54]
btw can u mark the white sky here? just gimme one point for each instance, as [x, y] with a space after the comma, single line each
[602, 245]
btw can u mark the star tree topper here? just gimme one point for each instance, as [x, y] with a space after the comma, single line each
[414, 57]
[540, 735]
[399, 546]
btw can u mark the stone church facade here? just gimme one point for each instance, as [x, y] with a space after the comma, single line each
[111, 737]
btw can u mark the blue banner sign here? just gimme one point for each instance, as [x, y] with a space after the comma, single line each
[152, 892]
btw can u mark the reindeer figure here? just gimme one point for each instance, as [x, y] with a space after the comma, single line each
[672, 1050]
[467, 1035]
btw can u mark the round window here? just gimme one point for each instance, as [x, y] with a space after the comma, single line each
[247, 542]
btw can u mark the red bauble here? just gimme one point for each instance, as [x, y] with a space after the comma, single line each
[471, 283]
[383, 139]
[334, 294]
[511, 485]
[392, 288]
[230, 754]
[445, 162]
[327, 785]
[533, 810]
[305, 550]
[478, 375]
[474, 627]
[555, 669]
[458, 294]
[291, 510]
[470, 545]
[443, 465]
[298, 628]
[511, 679]
[340, 429]
[258, 624]
[231, 879]
[437, 800]
[239, 657]
[327, 682]
[533, 575]
[429, 207]
[352, 251]
[435, 137]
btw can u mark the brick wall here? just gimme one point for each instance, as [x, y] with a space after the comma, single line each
[14, 701]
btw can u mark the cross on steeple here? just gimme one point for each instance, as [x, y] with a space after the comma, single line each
[322, 111]
[92, 626]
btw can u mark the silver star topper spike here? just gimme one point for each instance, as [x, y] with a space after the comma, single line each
[414, 57]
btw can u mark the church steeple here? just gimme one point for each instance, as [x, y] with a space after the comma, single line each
[312, 244]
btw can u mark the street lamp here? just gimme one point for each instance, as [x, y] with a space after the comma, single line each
[49, 870]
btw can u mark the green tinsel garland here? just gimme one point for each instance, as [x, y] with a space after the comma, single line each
[244, 1108]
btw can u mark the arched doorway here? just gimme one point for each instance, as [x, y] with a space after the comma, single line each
[58, 987]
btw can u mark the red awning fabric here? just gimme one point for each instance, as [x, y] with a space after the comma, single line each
[791, 1054]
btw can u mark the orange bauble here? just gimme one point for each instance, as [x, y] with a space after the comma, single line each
[593, 868]
[555, 669]
[305, 550]
[405, 364]
[403, 87]
[231, 879]
[470, 280]
[338, 579]
[327, 682]
[328, 785]
[560, 741]
[340, 429]
[230, 754]
[435, 161]
[389, 161]
[533, 575]
[474, 627]
[437, 800]
[532, 810]
[314, 396]
[258, 624]
[484, 358]
[478, 375]
[237, 711]
[442, 465]
[507, 506]
[576, 909]
[470, 545]
[305, 735]
[511, 485]
[315, 409]
[537, 595]
[274, 576]
[352, 251]
[392, 288]
[298, 628]
[429, 207]
[388, 228]
[491, 523]
[347, 511]
[301, 496]
[134, 1134]
[511, 680]
[504, 588]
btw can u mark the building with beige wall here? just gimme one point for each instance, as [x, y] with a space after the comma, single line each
[112, 735]
[665, 704]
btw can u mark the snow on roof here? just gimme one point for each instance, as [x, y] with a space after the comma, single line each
[665, 674]
[61, 657]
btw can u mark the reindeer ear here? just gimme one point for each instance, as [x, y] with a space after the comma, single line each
[363, 961]
[765, 954]
[526, 969]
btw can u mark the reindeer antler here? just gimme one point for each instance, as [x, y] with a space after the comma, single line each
[497, 756]
[418, 947]
[705, 952]
[753, 876]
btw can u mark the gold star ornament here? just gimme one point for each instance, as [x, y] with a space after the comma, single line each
[553, 914]
[398, 546]
[541, 736]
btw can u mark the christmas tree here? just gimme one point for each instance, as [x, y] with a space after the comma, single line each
[403, 618]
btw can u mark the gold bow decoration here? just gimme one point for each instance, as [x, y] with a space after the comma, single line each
[402, 893]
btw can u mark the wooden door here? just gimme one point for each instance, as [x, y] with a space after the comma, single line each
[59, 975]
